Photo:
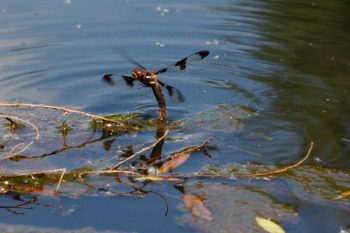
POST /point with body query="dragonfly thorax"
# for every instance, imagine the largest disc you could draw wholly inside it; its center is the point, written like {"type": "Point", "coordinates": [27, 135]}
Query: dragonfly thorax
{"type": "Point", "coordinates": [147, 77]}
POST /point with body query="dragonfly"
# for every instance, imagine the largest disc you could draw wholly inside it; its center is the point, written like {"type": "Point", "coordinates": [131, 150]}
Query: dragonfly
{"type": "Point", "coordinates": [150, 79]}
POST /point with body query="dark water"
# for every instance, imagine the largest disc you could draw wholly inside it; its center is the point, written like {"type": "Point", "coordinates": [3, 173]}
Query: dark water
{"type": "Point", "coordinates": [288, 60]}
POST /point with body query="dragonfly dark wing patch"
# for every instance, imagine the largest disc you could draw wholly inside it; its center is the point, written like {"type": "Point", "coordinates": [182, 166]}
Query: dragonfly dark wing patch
{"type": "Point", "coordinates": [182, 64]}
{"type": "Point", "coordinates": [171, 89]}
{"type": "Point", "coordinates": [108, 79]}
{"type": "Point", "coordinates": [128, 80]}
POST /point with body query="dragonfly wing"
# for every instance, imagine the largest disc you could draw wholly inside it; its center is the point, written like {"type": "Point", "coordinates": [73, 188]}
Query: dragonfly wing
{"type": "Point", "coordinates": [107, 78]}
{"type": "Point", "coordinates": [171, 89]}
{"type": "Point", "coordinates": [182, 64]}
{"type": "Point", "coordinates": [128, 80]}
{"type": "Point", "coordinates": [130, 59]}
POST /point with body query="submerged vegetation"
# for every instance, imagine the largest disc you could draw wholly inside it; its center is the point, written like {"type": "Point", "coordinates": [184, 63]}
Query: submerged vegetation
{"type": "Point", "coordinates": [30, 167]}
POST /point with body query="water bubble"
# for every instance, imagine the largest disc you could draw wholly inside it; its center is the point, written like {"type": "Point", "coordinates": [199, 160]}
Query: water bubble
{"type": "Point", "coordinates": [162, 11]}
{"type": "Point", "coordinates": [78, 27]}
{"type": "Point", "coordinates": [67, 2]}
{"type": "Point", "coordinates": [159, 44]}
{"type": "Point", "coordinates": [152, 170]}
{"type": "Point", "coordinates": [212, 42]}
{"type": "Point", "coordinates": [216, 57]}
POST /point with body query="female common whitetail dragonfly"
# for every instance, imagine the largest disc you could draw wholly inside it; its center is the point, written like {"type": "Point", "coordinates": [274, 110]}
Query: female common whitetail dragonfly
{"type": "Point", "coordinates": [150, 79]}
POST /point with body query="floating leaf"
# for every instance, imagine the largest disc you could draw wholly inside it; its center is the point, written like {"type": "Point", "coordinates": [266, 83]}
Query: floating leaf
{"type": "Point", "coordinates": [156, 178]}
{"type": "Point", "coordinates": [268, 225]}
{"type": "Point", "coordinates": [197, 207]}
{"type": "Point", "coordinates": [176, 161]}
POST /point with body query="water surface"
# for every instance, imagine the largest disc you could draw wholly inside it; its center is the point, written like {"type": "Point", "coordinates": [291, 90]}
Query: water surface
{"type": "Point", "coordinates": [287, 61]}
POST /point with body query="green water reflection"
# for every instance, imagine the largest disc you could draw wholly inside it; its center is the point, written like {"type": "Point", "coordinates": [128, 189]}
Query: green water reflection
{"type": "Point", "coordinates": [305, 45]}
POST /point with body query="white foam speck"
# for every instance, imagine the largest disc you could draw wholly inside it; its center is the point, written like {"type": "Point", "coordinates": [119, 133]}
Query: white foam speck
{"type": "Point", "coordinates": [162, 10]}
{"type": "Point", "coordinates": [159, 44]}
{"type": "Point", "coordinates": [212, 42]}
{"type": "Point", "coordinates": [152, 170]}
{"type": "Point", "coordinates": [318, 160]}
{"type": "Point", "coordinates": [78, 26]}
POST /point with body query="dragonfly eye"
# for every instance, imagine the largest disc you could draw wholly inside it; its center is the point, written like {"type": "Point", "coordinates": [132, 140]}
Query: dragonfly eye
{"type": "Point", "coordinates": [136, 72]}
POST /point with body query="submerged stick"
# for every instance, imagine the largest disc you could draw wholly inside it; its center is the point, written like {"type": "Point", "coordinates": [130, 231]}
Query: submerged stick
{"type": "Point", "coordinates": [139, 152]}
{"type": "Point", "coordinates": [32, 173]}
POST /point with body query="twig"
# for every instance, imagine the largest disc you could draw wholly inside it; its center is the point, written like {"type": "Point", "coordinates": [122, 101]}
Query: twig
{"type": "Point", "coordinates": [64, 148]}
{"type": "Point", "coordinates": [341, 196]}
{"type": "Point", "coordinates": [282, 169]}
{"type": "Point", "coordinates": [139, 152]}
{"type": "Point", "coordinates": [60, 180]}
{"type": "Point", "coordinates": [247, 151]}
{"type": "Point", "coordinates": [20, 151]}
{"type": "Point", "coordinates": [112, 172]}
{"type": "Point", "coordinates": [64, 109]}
{"type": "Point", "coordinates": [195, 148]}
{"type": "Point", "coordinates": [187, 150]}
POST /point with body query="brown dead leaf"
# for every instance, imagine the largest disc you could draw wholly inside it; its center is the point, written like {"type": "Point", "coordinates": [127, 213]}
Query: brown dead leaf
{"type": "Point", "coordinates": [29, 189]}
{"type": "Point", "coordinates": [197, 207]}
{"type": "Point", "coordinates": [176, 161]}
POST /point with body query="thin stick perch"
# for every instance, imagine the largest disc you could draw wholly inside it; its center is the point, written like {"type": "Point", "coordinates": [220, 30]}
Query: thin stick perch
{"type": "Point", "coordinates": [139, 152]}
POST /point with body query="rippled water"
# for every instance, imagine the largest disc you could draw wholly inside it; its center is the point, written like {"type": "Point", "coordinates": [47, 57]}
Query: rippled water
{"type": "Point", "coordinates": [290, 61]}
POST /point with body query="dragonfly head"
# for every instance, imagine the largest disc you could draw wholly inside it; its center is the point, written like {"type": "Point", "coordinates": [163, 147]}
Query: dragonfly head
{"type": "Point", "coordinates": [137, 73]}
